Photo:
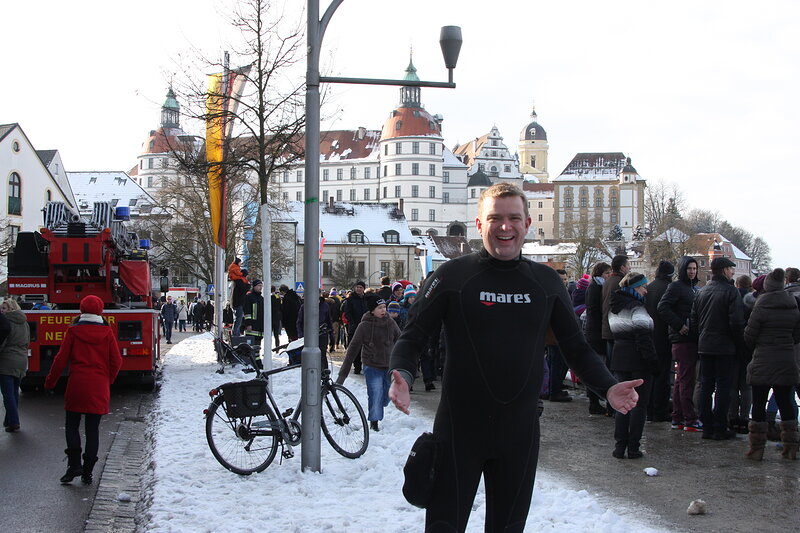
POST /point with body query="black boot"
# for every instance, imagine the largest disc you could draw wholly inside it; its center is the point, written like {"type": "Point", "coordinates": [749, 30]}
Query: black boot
{"type": "Point", "coordinates": [88, 466]}
{"type": "Point", "coordinates": [74, 468]}
{"type": "Point", "coordinates": [373, 425]}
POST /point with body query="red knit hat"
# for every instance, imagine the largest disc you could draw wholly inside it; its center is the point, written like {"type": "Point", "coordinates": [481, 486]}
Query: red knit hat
{"type": "Point", "coordinates": [92, 305]}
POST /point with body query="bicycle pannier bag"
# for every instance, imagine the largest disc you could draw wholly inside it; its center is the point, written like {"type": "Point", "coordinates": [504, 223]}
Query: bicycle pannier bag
{"type": "Point", "coordinates": [245, 398]}
{"type": "Point", "coordinates": [420, 470]}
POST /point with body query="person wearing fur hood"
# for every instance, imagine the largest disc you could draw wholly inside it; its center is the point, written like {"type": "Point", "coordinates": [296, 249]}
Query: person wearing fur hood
{"type": "Point", "coordinates": [773, 333]}
{"type": "Point", "coordinates": [374, 339]}
{"type": "Point", "coordinates": [91, 351]}
{"type": "Point", "coordinates": [634, 358]}
{"type": "Point", "coordinates": [13, 359]}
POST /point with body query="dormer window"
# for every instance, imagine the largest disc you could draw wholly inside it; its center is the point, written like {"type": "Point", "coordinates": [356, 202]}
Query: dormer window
{"type": "Point", "coordinates": [356, 236]}
{"type": "Point", "coordinates": [391, 237]}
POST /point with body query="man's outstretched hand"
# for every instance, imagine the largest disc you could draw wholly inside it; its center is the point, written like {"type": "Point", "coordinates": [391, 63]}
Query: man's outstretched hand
{"type": "Point", "coordinates": [623, 396]}
{"type": "Point", "coordinates": [398, 392]}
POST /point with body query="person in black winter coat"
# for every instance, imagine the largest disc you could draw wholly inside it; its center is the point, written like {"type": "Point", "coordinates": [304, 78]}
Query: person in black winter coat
{"type": "Point", "coordinates": [593, 327]}
{"type": "Point", "coordinates": [290, 307]}
{"type": "Point", "coordinates": [658, 410]}
{"type": "Point", "coordinates": [773, 332]}
{"type": "Point", "coordinates": [718, 318]}
{"type": "Point", "coordinates": [675, 308]}
{"type": "Point", "coordinates": [277, 317]}
{"type": "Point", "coordinates": [634, 358]}
{"type": "Point", "coordinates": [199, 313]}
{"type": "Point", "coordinates": [354, 309]}
{"type": "Point", "coordinates": [240, 288]}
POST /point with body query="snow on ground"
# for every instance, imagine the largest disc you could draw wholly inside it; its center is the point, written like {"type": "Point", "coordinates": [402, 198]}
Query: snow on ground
{"type": "Point", "coordinates": [192, 492]}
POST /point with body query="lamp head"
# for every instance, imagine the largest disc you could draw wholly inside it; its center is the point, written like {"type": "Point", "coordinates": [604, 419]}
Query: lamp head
{"type": "Point", "coordinates": [450, 41]}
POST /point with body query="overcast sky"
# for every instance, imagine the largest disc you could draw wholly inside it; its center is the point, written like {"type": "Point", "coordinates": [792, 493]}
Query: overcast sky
{"type": "Point", "coordinates": [703, 94]}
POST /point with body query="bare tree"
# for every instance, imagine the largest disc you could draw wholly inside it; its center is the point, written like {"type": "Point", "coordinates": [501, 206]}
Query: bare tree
{"type": "Point", "coordinates": [589, 248]}
{"type": "Point", "coordinates": [759, 252]}
{"type": "Point", "coordinates": [266, 118]}
{"type": "Point", "coordinates": [664, 203]}
{"type": "Point", "coordinates": [343, 271]}
{"type": "Point", "coordinates": [179, 224]}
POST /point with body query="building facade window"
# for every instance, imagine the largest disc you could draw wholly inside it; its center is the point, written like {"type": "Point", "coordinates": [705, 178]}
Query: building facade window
{"type": "Point", "coordinates": [481, 166]}
{"type": "Point", "coordinates": [385, 149]}
{"type": "Point", "coordinates": [299, 196]}
{"type": "Point", "coordinates": [14, 194]}
{"type": "Point", "coordinates": [415, 214]}
{"type": "Point", "coordinates": [367, 172]}
{"type": "Point", "coordinates": [446, 177]}
{"type": "Point", "coordinates": [324, 195]}
{"type": "Point", "coordinates": [398, 148]}
{"type": "Point", "coordinates": [415, 147]}
{"type": "Point", "coordinates": [355, 236]}
{"type": "Point", "coordinates": [326, 174]}
{"type": "Point", "coordinates": [432, 148]}
{"type": "Point", "coordinates": [361, 269]}
{"type": "Point", "coordinates": [397, 191]}
{"type": "Point", "coordinates": [352, 195]}
{"type": "Point", "coordinates": [285, 196]}
{"type": "Point", "coordinates": [352, 173]}
{"type": "Point", "coordinates": [541, 217]}
{"type": "Point", "coordinates": [285, 176]}
{"type": "Point", "coordinates": [431, 169]}
{"type": "Point", "coordinates": [327, 268]}
{"type": "Point", "coordinates": [398, 169]}
{"type": "Point", "coordinates": [339, 174]}
{"type": "Point", "coordinates": [506, 168]}
{"type": "Point", "coordinates": [415, 191]}
{"type": "Point", "coordinates": [432, 192]}
{"type": "Point", "coordinates": [541, 204]}
{"type": "Point", "coordinates": [445, 197]}
{"type": "Point", "coordinates": [472, 193]}
{"type": "Point", "coordinates": [366, 193]}
{"type": "Point", "coordinates": [415, 169]}
{"type": "Point", "coordinates": [385, 171]}
{"type": "Point", "coordinates": [299, 176]}
{"type": "Point", "coordinates": [391, 237]}
{"type": "Point", "coordinates": [338, 195]}
{"type": "Point", "coordinates": [431, 215]}
{"type": "Point", "coordinates": [385, 194]}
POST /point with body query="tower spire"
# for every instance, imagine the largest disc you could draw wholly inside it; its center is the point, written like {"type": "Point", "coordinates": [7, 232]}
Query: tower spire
{"type": "Point", "coordinates": [171, 111]}
{"type": "Point", "coordinates": [410, 96]}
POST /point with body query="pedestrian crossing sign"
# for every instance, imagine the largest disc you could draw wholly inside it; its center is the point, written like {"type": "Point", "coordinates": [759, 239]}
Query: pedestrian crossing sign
{"type": "Point", "coordinates": [299, 288]}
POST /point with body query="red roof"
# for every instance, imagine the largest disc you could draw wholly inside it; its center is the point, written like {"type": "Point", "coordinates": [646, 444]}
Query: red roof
{"type": "Point", "coordinates": [410, 122]}
{"type": "Point", "coordinates": [538, 187]}
{"type": "Point", "coordinates": [161, 141]}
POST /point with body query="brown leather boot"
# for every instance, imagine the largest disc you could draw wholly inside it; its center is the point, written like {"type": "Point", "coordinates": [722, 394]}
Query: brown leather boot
{"type": "Point", "coordinates": [758, 440]}
{"type": "Point", "coordinates": [790, 439]}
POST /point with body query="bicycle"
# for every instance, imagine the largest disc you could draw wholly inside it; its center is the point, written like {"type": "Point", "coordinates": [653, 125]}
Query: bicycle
{"type": "Point", "coordinates": [243, 431]}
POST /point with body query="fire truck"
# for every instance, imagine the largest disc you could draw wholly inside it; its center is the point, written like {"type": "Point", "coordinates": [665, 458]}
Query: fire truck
{"type": "Point", "coordinates": [72, 257]}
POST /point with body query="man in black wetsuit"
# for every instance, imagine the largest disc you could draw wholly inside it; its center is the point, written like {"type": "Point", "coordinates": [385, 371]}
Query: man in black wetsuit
{"type": "Point", "coordinates": [496, 308]}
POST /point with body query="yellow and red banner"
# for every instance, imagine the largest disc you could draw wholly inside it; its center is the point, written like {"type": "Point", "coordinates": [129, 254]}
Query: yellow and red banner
{"type": "Point", "coordinates": [221, 103]}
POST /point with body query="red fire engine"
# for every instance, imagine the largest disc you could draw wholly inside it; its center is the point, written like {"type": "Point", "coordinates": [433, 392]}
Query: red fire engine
{"type": "Point", "coordinates": [72, 257]}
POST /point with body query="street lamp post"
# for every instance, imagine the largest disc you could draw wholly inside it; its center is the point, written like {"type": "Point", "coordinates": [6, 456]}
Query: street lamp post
{"type": "Point", "coordinates": [369, 279]}
{"type": "Point", "coordinates": [450, 42]}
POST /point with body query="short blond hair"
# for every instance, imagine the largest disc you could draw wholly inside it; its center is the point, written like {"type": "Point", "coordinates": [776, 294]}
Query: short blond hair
{"type": "Point", "coordinates": [502, 190]}
{"type": "Point", "coordinates": [10, 305]}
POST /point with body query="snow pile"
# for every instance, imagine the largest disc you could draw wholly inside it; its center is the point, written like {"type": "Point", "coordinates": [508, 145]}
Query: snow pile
{"type": "Point", "coordinates": [193, 492]}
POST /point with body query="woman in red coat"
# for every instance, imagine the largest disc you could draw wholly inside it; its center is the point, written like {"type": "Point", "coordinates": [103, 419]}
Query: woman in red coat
{"type": "Point", "coordinates": [92, 353]}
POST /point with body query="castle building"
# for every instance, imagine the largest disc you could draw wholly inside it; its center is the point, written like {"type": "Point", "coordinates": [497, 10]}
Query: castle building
{"type": "Point", "coordinates": [405, 163]}
{"type": "Point", "coordinates": [595, 193]}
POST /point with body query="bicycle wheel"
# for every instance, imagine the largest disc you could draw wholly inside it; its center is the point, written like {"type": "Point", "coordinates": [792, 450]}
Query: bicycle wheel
{"type": "Point", "coordinates": [242, 445]}
{"type": "Point", "coordinates": [343, 422]}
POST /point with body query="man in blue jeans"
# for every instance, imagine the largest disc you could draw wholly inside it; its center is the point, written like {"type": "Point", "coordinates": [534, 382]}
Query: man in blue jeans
{"type": "Point", "coordinates": [718, 319]}
{"type": "Point", "coordinates": [169, 314]}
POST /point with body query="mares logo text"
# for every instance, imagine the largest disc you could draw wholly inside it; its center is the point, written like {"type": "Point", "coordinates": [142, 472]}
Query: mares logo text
{"type": "Point", "coordinates": [491, 298]}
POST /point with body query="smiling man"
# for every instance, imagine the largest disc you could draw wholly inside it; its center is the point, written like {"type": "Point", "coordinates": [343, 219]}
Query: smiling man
{"type": "Point", "coordinates": [495, 307]}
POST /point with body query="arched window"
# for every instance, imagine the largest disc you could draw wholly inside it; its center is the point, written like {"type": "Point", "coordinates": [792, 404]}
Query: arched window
{"type": "Point", "coordinates": [613, 200]}
{"type": "Point", "coordinates": [356, 236]}
{"type": "Point", "coordinates": [598, 197]}
{"type": "Point", "coordinates": [456, 229]}
{"type": "Point", "coordinates": [584, 197]}
{"type": "Point", "coordinates": [14, 194]}
{"type": "Point", "coordinates": [415, 232]}
{"type": "Point", "coordinates": [432, 232]}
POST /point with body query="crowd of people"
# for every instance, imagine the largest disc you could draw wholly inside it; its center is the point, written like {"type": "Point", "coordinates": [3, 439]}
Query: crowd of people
{"type": "Point", "coordinates": [727, 345]}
